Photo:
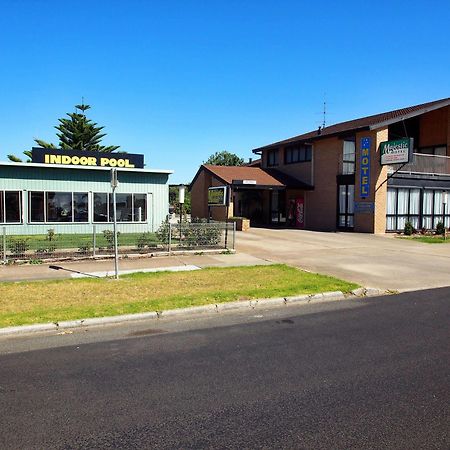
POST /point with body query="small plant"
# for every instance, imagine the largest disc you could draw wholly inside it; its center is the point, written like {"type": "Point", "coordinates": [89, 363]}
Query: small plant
{"type": "Point", "coordinates": [109, 236]}
{"type": "Point", "coordinates": [18, 246]}
{"type": "Point", "coordinates": [440, 229]}
{"type": "Point", "coordinates": [85, 247]}
{"type": "Point", "coordinates": [163, 232]}
{"type": "Point", "coordinates": [46, 250]}
{"type": "Point", "coordinates": [144, 240]}
{"type": "Point", "coordinates": [35, 261]}
{"type": "Point", "coordinates": [409, 229]}
{"type": "Point", "coordinates": [51, 235]}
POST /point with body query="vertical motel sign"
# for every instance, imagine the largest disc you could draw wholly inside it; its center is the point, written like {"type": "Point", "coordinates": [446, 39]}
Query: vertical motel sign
{"type": "Point", "coordinates": [365, 167]}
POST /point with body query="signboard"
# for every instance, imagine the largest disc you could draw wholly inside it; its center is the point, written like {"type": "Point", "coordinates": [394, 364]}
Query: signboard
{"type": "Point", "coordinates": [90, 159]}
{"type": "Point", "coordinates": [217, 196]}
{"type": "Point", "coordinates": [364, 187]}
{"type": "Point", "coordinates": [244, 181]}
{"type": "Point", "coordinates": [396, 152]}
{"type": "Point", "coordinates": [364, 207]}
{"type": "Point", "coordinates": [300, 212]}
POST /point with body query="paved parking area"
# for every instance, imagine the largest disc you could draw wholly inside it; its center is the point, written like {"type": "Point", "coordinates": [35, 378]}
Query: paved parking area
{"type": "Point", "coordinates": [380, 261]}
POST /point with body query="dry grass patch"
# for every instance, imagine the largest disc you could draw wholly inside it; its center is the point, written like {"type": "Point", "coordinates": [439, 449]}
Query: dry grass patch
{"type": "Point", "coordinates": [54, 301]}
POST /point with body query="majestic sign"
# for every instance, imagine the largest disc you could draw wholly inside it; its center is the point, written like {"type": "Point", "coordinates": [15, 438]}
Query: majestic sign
{"type": "Point", "coordinates": [217, 196]}
{"type": "Point", "coordinates": [365, 167]}
{"type": "Point", "coordinates": [364, 207]}
{"type": "Point", "coordinates": [80, 158]}
{"type": "Point", "coordinates": [396, 152]}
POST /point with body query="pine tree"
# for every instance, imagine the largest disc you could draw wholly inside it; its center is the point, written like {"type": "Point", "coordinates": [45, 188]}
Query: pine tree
{"type": "Point", "coordinates": [76, 132]}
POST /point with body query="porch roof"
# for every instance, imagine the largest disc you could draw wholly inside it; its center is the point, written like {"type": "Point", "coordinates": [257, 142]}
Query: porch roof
{"type": "Point", "coordinates": [253, 177]}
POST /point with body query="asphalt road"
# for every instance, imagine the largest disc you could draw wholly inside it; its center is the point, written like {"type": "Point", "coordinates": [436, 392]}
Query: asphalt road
{"type": "Point", "coordinates": [370, 373]}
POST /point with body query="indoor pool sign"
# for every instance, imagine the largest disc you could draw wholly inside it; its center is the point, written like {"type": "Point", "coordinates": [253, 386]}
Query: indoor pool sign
{"type": "Point", "coordinates": [364, 187]}
{"type": "Point", "coordinates": [90, 159]}
{"type": "Point", "coordinates": [396, 152]}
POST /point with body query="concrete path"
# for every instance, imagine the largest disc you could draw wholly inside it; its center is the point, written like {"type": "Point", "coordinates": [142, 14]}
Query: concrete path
{"type": "Point", "coordinates": [380, 261]}
{"type": "Point", "coordinates": [42, 271]}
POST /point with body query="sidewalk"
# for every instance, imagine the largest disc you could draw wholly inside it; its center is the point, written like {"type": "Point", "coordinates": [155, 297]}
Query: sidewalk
{"type": "Point", "coordinates": [28, 272]}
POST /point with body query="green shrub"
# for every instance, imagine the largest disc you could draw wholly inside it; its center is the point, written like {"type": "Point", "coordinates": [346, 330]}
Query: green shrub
{"type": "Point", "coordinates": [46, 250]}
{"type": "Point", "coordinates": [440, 229]}
{"type": "Point", "coordinates": [85, 247]}
{"type": "Point", "coordinates": [18, 246]}
{"type": "Point", "coordinates": [409, 229]}
{"type": "Point", "coordinates": [51, 235]}
{"type": "Point", "coordinates": [109, 236]}
{"type": "Point", "coordinates": [163, 232]}
{"type": "Point", "coordinates": [145, 240]}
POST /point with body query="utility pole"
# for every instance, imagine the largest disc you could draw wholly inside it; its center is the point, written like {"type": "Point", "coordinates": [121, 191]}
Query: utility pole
{"type": "Point", "coordinates": [114, 184]}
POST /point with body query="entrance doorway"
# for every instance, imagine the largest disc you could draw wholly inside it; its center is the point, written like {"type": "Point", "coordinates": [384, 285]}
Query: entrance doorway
{"type": "Point", "coordinates": [346, 212]}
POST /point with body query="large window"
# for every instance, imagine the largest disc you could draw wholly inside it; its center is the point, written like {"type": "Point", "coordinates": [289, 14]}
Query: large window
{"type": "Point", "coordinates": [422, 207]}
{"type": "Point", "coordinates": [129, 207]}
{"type": "Point", "coordinates": [58, 207]}
{"type": "Point", "coordinates": [272, 158]}
{"type": "Point", "coordinates": [348, 158]}
{"type": "Point", "coordinates": [297, 153]}
{"type": "Point", "coordinates": [10, 207]}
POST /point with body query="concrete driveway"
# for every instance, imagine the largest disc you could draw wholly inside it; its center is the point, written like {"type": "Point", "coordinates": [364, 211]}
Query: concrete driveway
{"type": "Point", "coordinates": [380, 261]}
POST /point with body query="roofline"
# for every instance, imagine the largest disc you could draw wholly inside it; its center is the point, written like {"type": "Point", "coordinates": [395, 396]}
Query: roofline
{"type": "Point", "coordinates": [68, 166]}
{"type": "Point", "coordinates": [440, 104]}
{"type": "Point", "coordinates": [410, 115]}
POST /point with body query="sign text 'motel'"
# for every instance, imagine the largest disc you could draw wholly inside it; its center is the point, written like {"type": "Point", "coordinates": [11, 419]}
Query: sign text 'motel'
{"type": "Point", "coordinates": [365, 167]}
{"type": "Point", "coordinates": [82, 158]}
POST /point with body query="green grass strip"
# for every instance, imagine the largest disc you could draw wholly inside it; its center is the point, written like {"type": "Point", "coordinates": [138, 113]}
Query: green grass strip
{"type": "Point", "coordinates": [55, 301]}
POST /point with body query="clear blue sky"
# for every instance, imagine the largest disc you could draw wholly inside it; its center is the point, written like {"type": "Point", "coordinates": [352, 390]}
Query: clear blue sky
{"type": "Point", "coordinates": [179, 80]}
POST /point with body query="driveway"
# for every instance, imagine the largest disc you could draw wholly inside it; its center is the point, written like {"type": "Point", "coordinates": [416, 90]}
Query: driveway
{"type": "Point", "coordinates": [380, 261]}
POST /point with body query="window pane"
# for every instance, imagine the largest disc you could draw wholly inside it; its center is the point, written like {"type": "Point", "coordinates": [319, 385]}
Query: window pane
{"type": "Point", "coordinates": [438, 203]}
{"type": "Point", "coordinates": [391, 207]}
{"type": "Point", "coordinates": [100, 207]}
{"type": "Point", "coordinates": [13, 207]}
{"type": "Point", "coordinates": [350, 221]}
{"type": "Point", "coordinates": [36, 207]}
{"type": "Point", "coordinates": [140, 207]}
{"type": "Point", "coordinates": [288, 153]}
{"type": "Point", "coordinates": [390, 224]}
{"type": "Point", "coordinates": [80, 207]}
{"type": "Point", "coordinates": [403, 201]}
{"type": "Point", "coordinates": [350, 199]}
{"type": "Point", "coordinates": [342, 221]}
{"type": "Point", "coordinates": [124, 208]}
{"type": "Point", "coordinates": [349, 151]}
{"type": "Point", "coordinates": [414, 201]}
{"type": "Point", "coordinates": [2, 217]}
{"type": "Point", "coordinates": [440, 151]}
{"type": "Point", "coordinates": [401, 222]}
{"type": "Point", "coordinates": [301, 155]}
{"type": "Point", "coordinates": [427, 223]}
{"type": "Point", "coordinates": [414, 221]}
{"type": "Point", "coordinates": [59, 207]}
{"type": "Point", "coordinates": [427, 202]}
{"type": "Point", "coordinates": [342, 196]}
{"type": "Point", "coordinates": [308, 154]}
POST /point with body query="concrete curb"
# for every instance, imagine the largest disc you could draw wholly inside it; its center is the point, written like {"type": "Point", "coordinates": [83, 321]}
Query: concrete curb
{"type": "Point", "coordinates": [219, 307]}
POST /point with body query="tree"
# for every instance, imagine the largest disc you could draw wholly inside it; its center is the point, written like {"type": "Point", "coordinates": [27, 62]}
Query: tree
{"type": "Point", "coordinates": [225, 158]}
{"type": "Point", "coordinates": [76, 132]}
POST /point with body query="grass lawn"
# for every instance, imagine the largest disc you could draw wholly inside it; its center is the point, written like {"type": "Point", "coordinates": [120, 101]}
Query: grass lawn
{"type": "Point", "coordinates": [53, 301]}
{"type": "Point", "coordinates": [428, 239]}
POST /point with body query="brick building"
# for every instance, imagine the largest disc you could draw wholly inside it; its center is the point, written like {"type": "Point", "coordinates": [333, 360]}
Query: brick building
{"type": "Point", "coordinates": [333, 178]}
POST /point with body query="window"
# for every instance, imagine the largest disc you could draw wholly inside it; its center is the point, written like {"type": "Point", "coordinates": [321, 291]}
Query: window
{"type": "Point", "coordinates": [272, 158]}
{"type": "Point", "coordinates": [58, 207]}
{"type": "Point", "coordinates": [404, 204]}
{"type": "Point", "coordinates": [348, 158]}
{"type": "Point", "coordinates": [346, 206]}
{"type": "Point", "coordinates": [297, 153]}
{"type": "Point", "coordinates": [440, 150]}
{"type": "Point", "coordinates": [10, 207]}
{"type": "Point", "coordinates": [129, 207]}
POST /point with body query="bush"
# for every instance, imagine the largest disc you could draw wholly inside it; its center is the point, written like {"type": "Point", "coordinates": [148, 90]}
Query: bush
{"type": "Point", "coordinates": [409, 229]}
{"type": "Point", "coordinates": [18, 246]}
{"type": "Point", "coordinates": [109, 236]}
{"type": "Point", "coordinates": [46, 250]}
{"type": "Point", "coordinates": [440, 229]}
{"type": "Point", "coordinates": [145, 240]}
{"type": "Point", "coordinates": [163, 232]}
{"type": "Point", "coordinates": [51, 235]}
{"type": "Point", "coordinates": [202, 236]}
{"type": "Point", "coordinates": [85, 247]}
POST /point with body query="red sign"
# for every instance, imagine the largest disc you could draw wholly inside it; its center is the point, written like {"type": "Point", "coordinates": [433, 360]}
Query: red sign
{"type": "Point", "coordinates": [299, 213]}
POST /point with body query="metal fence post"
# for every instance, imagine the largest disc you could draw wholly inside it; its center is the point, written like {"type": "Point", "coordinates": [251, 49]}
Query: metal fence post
{"type": "Point", "coordinates": [4, 244]}
{"type": "Point", "coordinates": [234, 234]}
{"type": "Point", "coordinates": [170, 238]}
{"type": "Point", "coordinates": [94, 240]}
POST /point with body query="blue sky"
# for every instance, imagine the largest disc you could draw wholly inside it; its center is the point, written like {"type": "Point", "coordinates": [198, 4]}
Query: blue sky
{"type": "Point", "coordinates": [179, 80]}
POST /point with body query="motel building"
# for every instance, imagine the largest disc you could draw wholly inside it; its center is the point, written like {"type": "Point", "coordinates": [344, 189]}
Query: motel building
{"type": "Point", "coordinates": [71, 191]}
{"type": "Point", "coordinates": [371, 174]}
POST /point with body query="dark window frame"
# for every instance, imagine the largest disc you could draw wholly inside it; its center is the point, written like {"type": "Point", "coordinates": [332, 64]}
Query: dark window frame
{"type": "Point", "coordinates": [109, 206]}
{"type": "Point", "coordinates": [273, 157]}
{"type": "Point", "coordinates": [294, 154]}
{"type": "Point", "coordinates": [4, 210]}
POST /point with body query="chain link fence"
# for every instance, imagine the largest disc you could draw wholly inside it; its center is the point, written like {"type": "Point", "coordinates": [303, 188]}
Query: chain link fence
{"type": "Point", "coordinates": [170, 237]}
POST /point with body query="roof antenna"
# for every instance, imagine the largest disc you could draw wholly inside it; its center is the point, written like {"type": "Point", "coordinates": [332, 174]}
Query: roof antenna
{"type": "Point", "coordinates": [324, 113]}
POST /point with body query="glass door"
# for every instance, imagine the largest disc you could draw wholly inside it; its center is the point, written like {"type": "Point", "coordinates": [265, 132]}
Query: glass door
{"type": "Point", "coordinates": [346, 206]}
